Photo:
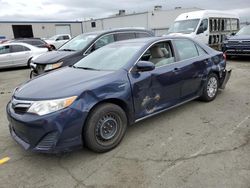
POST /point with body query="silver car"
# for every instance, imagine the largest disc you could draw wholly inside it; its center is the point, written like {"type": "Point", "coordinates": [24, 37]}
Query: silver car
{"type": "Point", "coordinates": [18, 54]}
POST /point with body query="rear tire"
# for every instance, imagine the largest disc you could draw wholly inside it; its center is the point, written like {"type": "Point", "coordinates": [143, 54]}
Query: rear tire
{"type": "Point", "coordinates": [211, 88]}
{"type": "Point", "coordinates": [105, 127]}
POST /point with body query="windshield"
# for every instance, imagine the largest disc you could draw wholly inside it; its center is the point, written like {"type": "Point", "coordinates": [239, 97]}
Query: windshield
{"type": "Point", "coordinates": [78, 43]}
{"type": "Point", "coordinates": [184, 26]}
{"type": "Point", "coordinates": [244, 31]}
{"type": "Point", "coordinates": [111, 57]}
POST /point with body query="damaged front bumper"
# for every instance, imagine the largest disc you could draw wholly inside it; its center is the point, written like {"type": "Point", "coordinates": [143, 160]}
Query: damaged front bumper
{"type": "Point", "coordinates": [226, 74]}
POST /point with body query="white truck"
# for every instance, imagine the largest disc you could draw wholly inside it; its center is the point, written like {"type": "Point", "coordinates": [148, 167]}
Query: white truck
{"type": "Point", "coordinates": [208, 26]}
{"type": "Point", "coordinates": [58, 40]}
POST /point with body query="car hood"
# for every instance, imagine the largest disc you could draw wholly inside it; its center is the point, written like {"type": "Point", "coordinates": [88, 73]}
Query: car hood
{"type": "Point", "coordinates": [239, 37]}
{"type": "Point", "coordinates": [61, 83]}
{"type": "Point", "coordinates": [52, 57]}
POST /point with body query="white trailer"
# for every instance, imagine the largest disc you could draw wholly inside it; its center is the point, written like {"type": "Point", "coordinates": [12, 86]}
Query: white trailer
{"type": "Point", "coordinates": [207, 26]}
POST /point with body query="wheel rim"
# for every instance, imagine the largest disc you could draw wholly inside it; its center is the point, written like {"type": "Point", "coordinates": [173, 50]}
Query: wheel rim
{"type": "Point", "coordinates": [107, 127]}
{"type": "Point", "coordinates": [212, 87]}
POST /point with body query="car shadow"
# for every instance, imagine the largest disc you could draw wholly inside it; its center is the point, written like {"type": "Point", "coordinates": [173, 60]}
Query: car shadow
{"type": "Point", "coordinates": [244, 59]}
{"type": "Point", "coordinates": [13, 69]}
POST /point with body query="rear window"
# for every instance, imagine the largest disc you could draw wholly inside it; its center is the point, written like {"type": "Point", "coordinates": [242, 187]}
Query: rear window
{"type": "Point", "coordinates": [37, 42]}
{"type": "Point", "coordinates": [124, 36]}
{"type": "Point", "coordinates": [142, 35]}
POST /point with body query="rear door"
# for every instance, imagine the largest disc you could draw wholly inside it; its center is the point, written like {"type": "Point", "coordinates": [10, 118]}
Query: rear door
{"type": "Point", "coordinates": [20, 54]}
{"type": "Point", "coordinates": [5, 56]}
{"type": "Point", "coordinates": [193, 60]}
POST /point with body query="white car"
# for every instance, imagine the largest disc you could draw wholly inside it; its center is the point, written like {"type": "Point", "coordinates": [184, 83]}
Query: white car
{"type": "Point", "coordinates": [18, 54]}
{"type": "Point", "coordinates": [58, 40]}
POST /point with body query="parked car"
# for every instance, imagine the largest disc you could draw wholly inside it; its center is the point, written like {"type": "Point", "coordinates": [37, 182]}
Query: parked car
{"type": "Point", "coordinates": [3, 39]}
{"type": "Point", "coordinates": [93, 101]}
{"type": "Point", "coordinates": [18, 54]}
{"type": "Point", "coordinates": [239, 44]}
{"type": "Point", "coordinates": [58, 40]}
{"type": "Point", "coordinates": [33, 41]}
{"type": "Point", "coordinates": [81, 46]}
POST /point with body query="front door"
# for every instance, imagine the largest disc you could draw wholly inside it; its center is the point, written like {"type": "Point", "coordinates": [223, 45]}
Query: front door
{"type": "Point", "coordinates": [20, 54]}
{"type": "Point", "coordinates": [160, 88]}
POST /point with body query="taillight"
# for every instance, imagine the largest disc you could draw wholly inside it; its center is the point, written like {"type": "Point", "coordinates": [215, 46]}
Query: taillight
{"type": "Point", "coordinates": [225, 56]}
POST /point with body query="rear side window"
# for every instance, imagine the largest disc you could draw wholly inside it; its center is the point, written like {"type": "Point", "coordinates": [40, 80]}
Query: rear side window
{"type": "Point", "coordinates": [186, 49]}
{"type": "Point", "coordinates": [4, 49]}
{"type": "Point", "coordinates": [37, 42]}
{"type": "Point", "coordinates": [200, 50]}
{"type": "Point", "coordinates": [65, 37]}
{"type": "Point", "coordinates": [142, 35]}
{"type": "Point", "coordinates": [18, 48]}
{"type": "Point", "coordinates": [124, 36]}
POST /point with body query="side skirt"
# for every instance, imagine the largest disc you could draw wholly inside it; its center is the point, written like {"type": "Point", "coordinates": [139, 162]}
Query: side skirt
{"type": "Point", "coordinates": [158, 112]}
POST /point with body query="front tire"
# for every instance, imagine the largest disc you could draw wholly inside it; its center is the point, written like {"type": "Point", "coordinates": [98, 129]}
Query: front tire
{"type": "Point", "coordinates": [105, 127]}
{"type": "Point", "coordinates": [211, 87]}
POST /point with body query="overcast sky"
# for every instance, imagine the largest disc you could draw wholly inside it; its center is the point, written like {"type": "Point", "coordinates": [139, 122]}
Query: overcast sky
{"type": "Point", "coordinates": [29, 10]}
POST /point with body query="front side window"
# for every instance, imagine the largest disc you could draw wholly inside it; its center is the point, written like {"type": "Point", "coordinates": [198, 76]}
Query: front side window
{"type": "Point", "coordinates": [111, 57]}
{"type": "Point", "coordinates": [4, 49]}
{"type": "Point", "coordinates": [203, 26]}
{"type": "Point", "coordinates": [186, 49]}
{"type": "Point", "coordinates": [159, 54]}
{"type": "Point", "coordinates": [184, 26]}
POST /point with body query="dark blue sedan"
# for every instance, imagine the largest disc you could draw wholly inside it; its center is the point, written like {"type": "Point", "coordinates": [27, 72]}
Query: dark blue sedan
{"type": "Point", "coordinates": [92, 102]}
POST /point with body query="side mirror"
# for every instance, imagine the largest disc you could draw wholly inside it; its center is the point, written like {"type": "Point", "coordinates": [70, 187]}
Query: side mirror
{"type": "Point", "coordinates": [232, 34]}
{"type": "Point", "coordinates": [200, 30]}
{"type": "Point", "coordinates": [143, 66]}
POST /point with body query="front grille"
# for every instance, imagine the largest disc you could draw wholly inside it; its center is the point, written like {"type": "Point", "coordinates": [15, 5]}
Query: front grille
{"type": "Point", "coordinates": [239, 42]}
{"type": "Point", "coordinates": [20, 106]}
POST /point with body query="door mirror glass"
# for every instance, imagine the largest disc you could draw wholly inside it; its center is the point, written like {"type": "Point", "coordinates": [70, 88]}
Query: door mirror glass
{"type": "Point", "coordinates": [143, 66]}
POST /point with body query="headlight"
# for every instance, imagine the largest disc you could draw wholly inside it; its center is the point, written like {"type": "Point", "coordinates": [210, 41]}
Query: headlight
{"type": "Point", "coordinates": [49, 106]}
{"type": "Point", "coordinates": [53, 66]}
{"type": "Point", "coordinates": [225, 41]}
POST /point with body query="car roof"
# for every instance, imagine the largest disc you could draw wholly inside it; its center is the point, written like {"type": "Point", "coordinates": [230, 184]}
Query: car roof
{"type": "Point", "coordinates": [150, 40]}
{"type": "Point", "coordinates": [119, 30]}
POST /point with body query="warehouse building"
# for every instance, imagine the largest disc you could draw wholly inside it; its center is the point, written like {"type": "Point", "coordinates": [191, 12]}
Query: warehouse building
{"type": "Point", "coordinates": [158, 20]}
{"type": "Point", "coordinates": [39, 29]}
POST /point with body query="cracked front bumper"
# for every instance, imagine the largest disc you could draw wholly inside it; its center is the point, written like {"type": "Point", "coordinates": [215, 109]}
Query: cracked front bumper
{"type": "Point", "coordinates": [52, 133]}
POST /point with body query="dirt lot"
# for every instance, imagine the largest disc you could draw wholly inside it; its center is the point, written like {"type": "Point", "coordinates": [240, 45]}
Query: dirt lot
{"type": "Point", "coordinates": [195, 145]}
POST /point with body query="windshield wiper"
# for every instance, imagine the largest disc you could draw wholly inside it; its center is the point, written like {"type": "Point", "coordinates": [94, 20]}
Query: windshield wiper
{"type": "Point", "coordinates": [85, 68]}
{"type": "Point", "coordinates": [70, 50]}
